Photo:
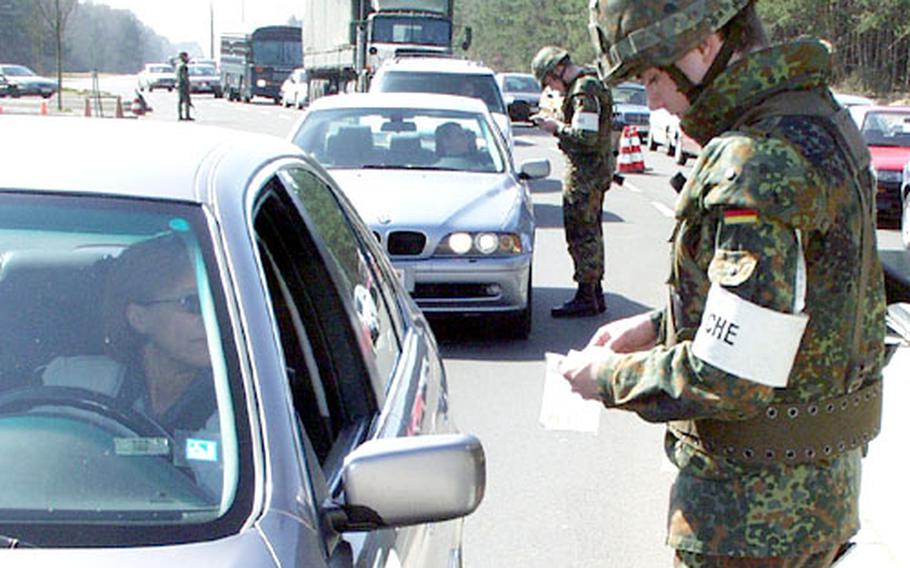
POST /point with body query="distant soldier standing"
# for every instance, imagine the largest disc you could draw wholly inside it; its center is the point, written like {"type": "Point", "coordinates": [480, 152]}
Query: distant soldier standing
{"type": "Point", "coordinates": [766, 363]}
{"type": "Point", "coordinates": [183, 87]}
{"type": "Point", "coordinates": [584, 137]}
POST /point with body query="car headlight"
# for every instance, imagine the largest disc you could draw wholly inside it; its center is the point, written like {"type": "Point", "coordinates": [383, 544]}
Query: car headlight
{"type": "Point", "coordinates": [888, 176]}
{"type": "Point", "coordinates": [261, 83]}
{"type": "Point", "coordinates": [480, 244]}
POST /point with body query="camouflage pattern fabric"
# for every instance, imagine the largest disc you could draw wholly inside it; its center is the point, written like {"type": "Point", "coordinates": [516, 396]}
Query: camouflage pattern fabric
{"type": "Point", "coordinates": [809, 560]}
{"type": "Point", "coordinates": [589, 173]}
{"type": "Point", "coordinates": [183, 81]}
{"type": "Point", "coordinates": [792, 170]}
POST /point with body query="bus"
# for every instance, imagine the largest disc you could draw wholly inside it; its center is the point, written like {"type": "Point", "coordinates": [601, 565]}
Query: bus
{"type": "Point", "coordinates": [256, 64]}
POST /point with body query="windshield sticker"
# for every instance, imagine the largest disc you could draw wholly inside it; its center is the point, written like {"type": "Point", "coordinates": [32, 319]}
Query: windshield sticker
{"type": "Point", "coordinates": [179, 224]}
{"type": "Point", "coordinates": [141, 446]}
{"type": "Point", "coordinates": [198, 449]}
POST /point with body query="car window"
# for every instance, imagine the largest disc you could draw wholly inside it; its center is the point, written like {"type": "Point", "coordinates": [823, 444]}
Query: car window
{"type": "Point", "coordinates": [887, 129]}
{"type": "Point", "coordinates": [402, 138]}
{"type": "Point", "coordinates": [324, 345]}
{"type": "Point", "coordinates": [520, 84]}
{"type": "Point", "coordinates": [363, 279]}
{"type": "Point", "coordinates": [119, 385]}
{"type": "Point", "coordinates": [630, 95]}
{"type": "Point", "coordinates": [479, 86]}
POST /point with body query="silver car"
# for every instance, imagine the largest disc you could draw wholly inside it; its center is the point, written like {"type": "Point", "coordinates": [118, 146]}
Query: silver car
{"type": "Point", "coordinates": [207, 361]}
{"type": "Point", "coordinates": [435, 182]}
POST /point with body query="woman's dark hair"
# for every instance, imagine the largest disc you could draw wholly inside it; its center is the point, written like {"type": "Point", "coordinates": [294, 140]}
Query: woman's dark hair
{"type": "Point", "coordinates": [137, 276]}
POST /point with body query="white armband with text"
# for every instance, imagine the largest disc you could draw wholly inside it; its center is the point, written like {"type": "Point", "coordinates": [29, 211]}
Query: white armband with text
{"type": "Point", "coordinates": [748, 340]}
{"type": "Point", "coordinates": [589, 121]}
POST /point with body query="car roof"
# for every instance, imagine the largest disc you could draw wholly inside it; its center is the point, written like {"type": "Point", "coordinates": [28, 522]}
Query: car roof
{"type": "Point", "coordinates": [400, 100]}
{"type": "Point", "coordinates": [882, 108]}
{"type": "Point", "coordinates": [437, 65]}
{"type": "Point", "coordinates": [149, 159]}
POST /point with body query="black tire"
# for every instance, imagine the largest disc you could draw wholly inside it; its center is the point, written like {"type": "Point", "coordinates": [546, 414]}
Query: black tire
{"type": "Point", "coordinates": [652, 145]}
{"type": "Point", "coordinates": [679, 155]}
{"type": "Point", "coordinates": [518, 326]}
{"type": "Point", "coordinates": [671, 147]}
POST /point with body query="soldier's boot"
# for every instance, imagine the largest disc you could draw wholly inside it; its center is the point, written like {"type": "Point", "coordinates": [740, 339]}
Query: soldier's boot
{"type": "Point", "coordinates": [584, 303]}
{"type": "Point", "coordinates": [599, 296]}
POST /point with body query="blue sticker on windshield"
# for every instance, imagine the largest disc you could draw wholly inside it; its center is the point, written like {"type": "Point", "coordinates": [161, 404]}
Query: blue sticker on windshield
{"type": "Point", "coordinates": [178, 224]}
{"type": "Point", "coordinates": [198, 449]}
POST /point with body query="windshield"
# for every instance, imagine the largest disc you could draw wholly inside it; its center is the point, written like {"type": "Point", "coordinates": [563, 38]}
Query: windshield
{"type": "Point", "coordinates": [115, 395]}
{"type": "Point", "coordinates": [277, 53]}
{"type": "Point", "coordinates": [630, 95]}
{"type": "Point", "coordinates": [401, 139]}
{"type": "Point", "coordinates": [202, 70]}
{"type": "Point", "coordinates": [481, 87]}
{"type": "Point", "coordinates": [887, 129]}
{"type": "Point", "coordinates": [422, 31]}
{"type": "Point", "coordinates": [520, 84]}
{"type": "Point", "coordinates": [161, 69]}
{"type": "Point", "coordinates": [17, 71]}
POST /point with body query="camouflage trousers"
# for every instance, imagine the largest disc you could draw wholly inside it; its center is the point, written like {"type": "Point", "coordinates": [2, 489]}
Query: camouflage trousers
{"type": "Point", "coordinates": [822, 559]}
{"type": "Point", "coordinates": [582, 206]}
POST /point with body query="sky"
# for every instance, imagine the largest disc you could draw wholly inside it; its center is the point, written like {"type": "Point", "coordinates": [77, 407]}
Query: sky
{"type": "Point", "coordinates": [188, 20]}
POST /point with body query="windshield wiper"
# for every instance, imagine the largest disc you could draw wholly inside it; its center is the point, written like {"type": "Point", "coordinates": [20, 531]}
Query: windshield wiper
{"type": "Point", "coordinates": [13, 542]}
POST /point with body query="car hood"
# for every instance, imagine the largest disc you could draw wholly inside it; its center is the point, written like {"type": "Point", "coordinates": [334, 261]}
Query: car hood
{"type": "Point", "coordinates": [245, 549]}
{"type": "Point", "coordinates": [405, 198]}
{"type": "Point", "coordinates": [889, 157]}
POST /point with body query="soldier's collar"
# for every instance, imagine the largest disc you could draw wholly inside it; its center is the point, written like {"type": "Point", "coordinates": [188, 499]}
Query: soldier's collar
{"type": "Point", "coordinates": [802, 64]}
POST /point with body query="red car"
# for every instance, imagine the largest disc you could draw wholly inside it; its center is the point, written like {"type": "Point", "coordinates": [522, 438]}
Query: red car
{"type": "Point", "coordinates": [886, 130]}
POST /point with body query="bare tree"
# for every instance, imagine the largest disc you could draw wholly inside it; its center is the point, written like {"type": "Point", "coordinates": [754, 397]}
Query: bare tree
{"type": "Point", "coordinates": [54, 14]}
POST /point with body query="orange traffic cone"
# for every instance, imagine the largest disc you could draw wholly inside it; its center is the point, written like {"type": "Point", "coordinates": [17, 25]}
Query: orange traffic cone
{"type": "Point", "coordinates": [42, 110]}
{"type": "Point", "coordinates": [88, 108]}
{"type": "Point", "coordinates": [630, 157]}
{"type": "Point", "coordinates": [119, 112]}
{"type": "Point", "coordinates": [1, 109]}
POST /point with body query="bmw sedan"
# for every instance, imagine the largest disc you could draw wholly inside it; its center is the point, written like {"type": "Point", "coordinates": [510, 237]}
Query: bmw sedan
{"type": "Point", "coordinates": [435, 182]}
{"type": "Point", "coordinates": [210, 363]}
{"type": "Point", "coordinates": [26, 82]}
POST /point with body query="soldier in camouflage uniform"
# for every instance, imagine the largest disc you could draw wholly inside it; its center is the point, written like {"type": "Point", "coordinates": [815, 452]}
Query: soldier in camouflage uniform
{"type": "Point", "coordinates": [584, 137]}
{"type": "Point", "coordinates": [183, 87]}
{"type": "Point", "coordinates": [766, 363]}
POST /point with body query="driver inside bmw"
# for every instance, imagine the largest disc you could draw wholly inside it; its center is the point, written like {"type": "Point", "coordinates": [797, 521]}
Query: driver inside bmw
{"type": "Point", "coordinates": [158, 359]}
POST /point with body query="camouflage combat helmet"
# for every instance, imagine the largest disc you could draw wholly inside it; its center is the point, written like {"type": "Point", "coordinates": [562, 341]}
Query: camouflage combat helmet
{"type": "Point", "coordinates": [546, 61]}
{"type": "Point", "coordinates": [632, 35]}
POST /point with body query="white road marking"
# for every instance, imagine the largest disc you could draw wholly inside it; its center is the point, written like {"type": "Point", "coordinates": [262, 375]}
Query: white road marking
{"type": "Point", "coordinates": [665, 211]}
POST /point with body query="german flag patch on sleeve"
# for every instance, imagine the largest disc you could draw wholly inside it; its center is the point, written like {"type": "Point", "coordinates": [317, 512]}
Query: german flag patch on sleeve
{"type": "Point", "coordinates": [740, 216]}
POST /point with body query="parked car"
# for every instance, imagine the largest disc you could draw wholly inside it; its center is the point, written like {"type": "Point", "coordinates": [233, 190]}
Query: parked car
{"type": "Point", "coordinates": [445, 76]}
{"type": "Point", "coordinates": [208, 361]}
{"type": "Point", "coordinates": [26, 82]}
{"type": "Point", "coordinates": [886, 130]}
{"type": "Point", "coordinates": [630, 108]}
{"type": "Point", "coordinates": [157, 76]}
{"type": "Point", "coordinates": [436, 184]}
{"type": "Point", "coordinates": [204, 78]}
{"type": "Point", "coordinates": [521, 93]}
{"type": "Point", "coordinates": [664, 131]}
{"type": "Point", "coordinates": [295, 90]}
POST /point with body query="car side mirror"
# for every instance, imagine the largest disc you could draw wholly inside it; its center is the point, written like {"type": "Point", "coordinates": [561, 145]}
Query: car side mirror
{"type": "Point", "coordinates": [519, 111]}
{"type": "Point", "coordinates": [534, 169]}
{"type": "Point", "coordinates": [396, 482]}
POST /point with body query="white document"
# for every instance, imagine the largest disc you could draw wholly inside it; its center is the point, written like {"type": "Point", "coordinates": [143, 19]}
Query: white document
{"type": "Point", "coordinates": [562, 409]}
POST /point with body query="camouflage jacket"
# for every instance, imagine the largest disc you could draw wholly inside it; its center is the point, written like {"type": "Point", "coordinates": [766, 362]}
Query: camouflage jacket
{"type": "Point", "coordinates": [584, 136]}
{"type": "Point", "coordinates": [786, 169]}
{"type": "Point", "coordinates": [183, 76]}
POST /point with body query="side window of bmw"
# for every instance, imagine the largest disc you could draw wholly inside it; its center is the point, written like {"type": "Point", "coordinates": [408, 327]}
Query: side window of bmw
{"type": "Point", "coordinates": [373, 301]}
{"type": "Point", "coordinates": [326, 371]}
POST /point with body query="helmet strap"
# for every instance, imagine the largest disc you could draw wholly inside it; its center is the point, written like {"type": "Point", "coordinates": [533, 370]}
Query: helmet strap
{"type": "Point", "coordinates": [692, 91]}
